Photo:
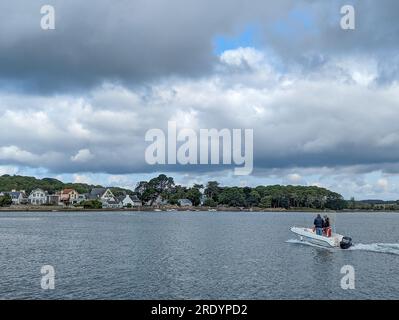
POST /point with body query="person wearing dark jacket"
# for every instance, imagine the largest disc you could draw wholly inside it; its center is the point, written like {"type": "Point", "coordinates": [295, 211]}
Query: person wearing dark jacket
{"type": "Point", "coordinates": [318, 223]}
{"type": "Point", "coordinates": [327, 226]}
{"type": "Point", "coordinates": [326, 222]}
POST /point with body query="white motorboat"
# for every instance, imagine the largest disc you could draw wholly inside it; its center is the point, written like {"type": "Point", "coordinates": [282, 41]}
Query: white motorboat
{"type": "Point", "coordinates": [335, 240]}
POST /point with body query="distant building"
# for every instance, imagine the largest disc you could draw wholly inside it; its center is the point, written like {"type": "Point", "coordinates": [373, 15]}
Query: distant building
{"type": "Point", "coordinates": [100, 194]}
{"type": "Point", "coordinates": [112, 204]}
{"type": "Point", "coordinates": [185, 203]}
{"type": "Point", "coordinates": [83, 197]}
{"type": "Point", "coordinates": [69, 196]}
{"type": "Point", "coordinates": [17, 197]}
{"type": "Point", "coordinates": [53, 199]}
{"type": "Point", "coordinates": [134, 201]}
{"type": "Point", "coordinates": [106, 197]}
{"type": "Point", "coordinates": [38, 197]}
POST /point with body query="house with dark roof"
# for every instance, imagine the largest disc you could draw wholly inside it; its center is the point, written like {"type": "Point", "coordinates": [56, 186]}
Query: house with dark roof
{"type": "Point", "coordinates": [132, 201]}
{"type": "Point", "coordinates": [17, 197]}
{"type": "Point", "coordinates": [106, 197]}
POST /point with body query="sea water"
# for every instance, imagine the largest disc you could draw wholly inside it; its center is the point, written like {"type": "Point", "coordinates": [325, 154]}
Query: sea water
{"type": "Point", "coordinates": [193, 255]}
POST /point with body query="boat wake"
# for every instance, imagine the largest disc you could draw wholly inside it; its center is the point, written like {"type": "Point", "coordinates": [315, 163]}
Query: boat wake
{"type": "Point", "coordinates": [388, 248]}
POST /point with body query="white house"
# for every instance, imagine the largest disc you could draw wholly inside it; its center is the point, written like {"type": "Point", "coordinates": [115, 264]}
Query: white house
{"type": "Point", "coordinates": [38, 197]}
{"type": "Point", "coordinates": [134, 201]}
{"type": "Point", "coordinates": [106, 197]}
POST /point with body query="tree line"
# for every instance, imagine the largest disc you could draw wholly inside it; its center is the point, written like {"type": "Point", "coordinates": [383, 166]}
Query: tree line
{"type": "Point", "coordinates": [213, 194]}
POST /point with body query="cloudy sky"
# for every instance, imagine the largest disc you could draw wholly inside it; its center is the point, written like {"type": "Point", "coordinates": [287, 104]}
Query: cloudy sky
{"type": "Point", "coordinates": [323, 102]}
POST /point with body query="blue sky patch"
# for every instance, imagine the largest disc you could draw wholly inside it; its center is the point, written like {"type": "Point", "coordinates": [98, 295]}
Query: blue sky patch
{"type": "Point", "coordinates": [249, 37]}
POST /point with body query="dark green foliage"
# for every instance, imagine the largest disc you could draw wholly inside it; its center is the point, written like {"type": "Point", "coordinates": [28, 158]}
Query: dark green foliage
{"type": "Point", "coordinates": [91, 204]}
{"type": "Point", "coordinates": [276, 196]}
{"type": "Point", "coordinates": [121, 192]}
{"type": "Point", "coordinates": [210, 203]}
{"type": "Point", "coordinates": [5, 200]}
{"type": "Point", "coordinates": [194, 195]}
{"type": "Point", "coordinates": [212, 190]}
{"type": "Point", "coordinates": [149, 191]}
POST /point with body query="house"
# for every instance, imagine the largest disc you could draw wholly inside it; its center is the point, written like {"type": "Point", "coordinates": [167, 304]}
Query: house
{"type": "Point", "coordinates": [112, 204]}
{"type": "Point", "coordinates": [82, 197]}
{"type": "Point", "coordinates": [17, 197]}
{"type": "Point", "coordinates": [185, 203]}
{"type": "Point", "coordinates": [100, 194]}
{"type": "Point", "coordinates": [106, 197]}
{"type": "Point", "coordinates": [38, 197]}
{"type": "Point", "coordinates": [133, 201]}
{"type": "Point", "coordinates": [53, 199]}
{"type": "Point", "coordinates": [69, 196]}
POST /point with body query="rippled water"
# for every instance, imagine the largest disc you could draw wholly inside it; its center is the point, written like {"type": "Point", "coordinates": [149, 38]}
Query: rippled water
{"type": "Point", "coordinates": [193, 255]}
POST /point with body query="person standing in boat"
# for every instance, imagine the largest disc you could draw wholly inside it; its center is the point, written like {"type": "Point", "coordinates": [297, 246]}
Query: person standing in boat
{"type": "Point", "coordinates": [327, 226]}
{"type": "Point", "coordinates": [318, 224]}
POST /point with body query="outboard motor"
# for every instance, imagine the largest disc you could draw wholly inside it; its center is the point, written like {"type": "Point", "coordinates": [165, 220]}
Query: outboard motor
{"type": "Point", "coordinates": [345, 243]}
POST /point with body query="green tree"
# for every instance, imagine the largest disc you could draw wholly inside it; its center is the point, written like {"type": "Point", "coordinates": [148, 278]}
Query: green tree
{"type": "Point", "coordinates": [266, 202]}
{"type": "Point", "coordinates": [210, 203]}
{"type": "Point", "coordinates": [194, 195]}
{"type": "Point", "coordinates": [92, 204]}
{"type": "Point", "coordinates": [233, 197]}
{"type": "Point", "coordinates": [212, 190]}
{"type": "Point", "coordinates": [151, 190]}
{"type": "Point", "coordinates": [253, 199]}
{"type": "Point", "coordinates": [5, 200]}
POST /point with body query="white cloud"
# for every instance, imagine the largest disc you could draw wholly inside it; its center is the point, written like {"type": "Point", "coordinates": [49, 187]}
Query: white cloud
{"type": "Point", "coordinates": [83, 155]}
{"type": "Point", "coordinates": [242, 56]}
{"type": "Point", "coordinates": [14, 153]}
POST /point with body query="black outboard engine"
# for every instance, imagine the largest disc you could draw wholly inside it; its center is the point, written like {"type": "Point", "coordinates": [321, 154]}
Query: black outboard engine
{"type": "Point", "coordinates": [345, 243]}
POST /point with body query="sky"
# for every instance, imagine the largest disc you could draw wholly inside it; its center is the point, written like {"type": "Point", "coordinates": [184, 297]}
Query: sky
{"type": "Point", "coordinates": [323, 102]}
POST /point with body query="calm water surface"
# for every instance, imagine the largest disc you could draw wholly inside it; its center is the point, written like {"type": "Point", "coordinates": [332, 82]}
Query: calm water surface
{"type": "Point", "coordinates": [193, 255]}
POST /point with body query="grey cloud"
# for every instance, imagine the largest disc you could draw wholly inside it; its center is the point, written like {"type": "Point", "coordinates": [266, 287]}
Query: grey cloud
{"type": "Point", "coordinates": [303, 123]}
{"type": "Point", "coordinates": [118, 41]}
{"type": "Point", "coordinates": [136, 42]}
{"type": "Point", "coordinates": [156, 60]}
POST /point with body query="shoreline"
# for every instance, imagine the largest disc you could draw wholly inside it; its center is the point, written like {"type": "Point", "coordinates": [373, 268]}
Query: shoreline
{"type": "Point", "coordinates": [179, 209]}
